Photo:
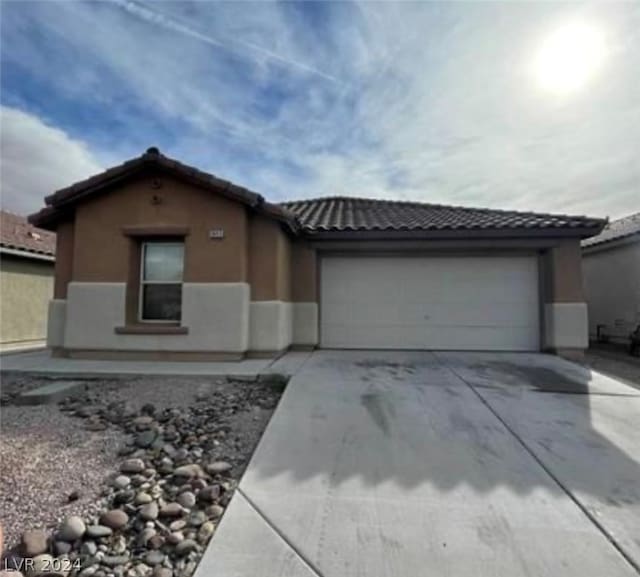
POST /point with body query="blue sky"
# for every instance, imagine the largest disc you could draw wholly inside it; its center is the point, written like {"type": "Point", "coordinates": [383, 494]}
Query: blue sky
{"type": "Point", "coordinates": [434, 101]}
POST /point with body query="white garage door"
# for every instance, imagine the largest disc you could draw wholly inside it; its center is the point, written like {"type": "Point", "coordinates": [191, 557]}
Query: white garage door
{"type": "Point", "coordinates": [459, 303]}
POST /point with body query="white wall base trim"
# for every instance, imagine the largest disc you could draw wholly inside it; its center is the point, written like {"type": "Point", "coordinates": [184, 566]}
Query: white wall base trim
{"type": "Point", "coordinates": [305, 324]}
{"type": "Point", "coordinates": [56, 322]}
{"type": "Point", "coordinates": [566, 326]}
{"type": "Point", "coordinates": [216, 314]}
{"type": "Point", "coordinates": [270, 325]}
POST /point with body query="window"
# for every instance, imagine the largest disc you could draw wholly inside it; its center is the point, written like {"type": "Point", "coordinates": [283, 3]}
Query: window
{"type": "Point", "coordinates": [161, 281]}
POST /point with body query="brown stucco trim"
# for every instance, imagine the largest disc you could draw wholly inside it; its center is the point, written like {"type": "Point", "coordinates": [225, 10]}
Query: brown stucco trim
{"type": "Point", "coordinates": [152, 329]}
{"type": "Point", "coordinates": [155, 231]}
{"type": "Point", "coordinates": [562, 273]}
{"type": "Point", "coordinates": [269, 260]}
{"type": "Point", "coordinates": [64, 259]}
{"type": "Point", "coordinates": [303, 273]}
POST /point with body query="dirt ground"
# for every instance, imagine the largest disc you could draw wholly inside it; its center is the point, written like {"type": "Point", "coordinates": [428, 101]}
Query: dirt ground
{"type": "Point", "coordinates": [47, 454]}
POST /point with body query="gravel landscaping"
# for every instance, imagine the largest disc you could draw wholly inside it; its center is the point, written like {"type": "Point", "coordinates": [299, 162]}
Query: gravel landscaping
{"type": "Point", "coordinates": [130, 478]}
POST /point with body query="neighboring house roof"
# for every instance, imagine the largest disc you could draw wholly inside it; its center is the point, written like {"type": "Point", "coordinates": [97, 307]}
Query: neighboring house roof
{"type": "Point", "coordinates": [20, 237]}
{"type": "Point", "coordinates": [363, 214]}
{"type": "Point", "coordinates": [331, 216]}
{"type": "Point", "coordinates": [59, 202]}
{"type": "Point", "coordinates": [616, 230]}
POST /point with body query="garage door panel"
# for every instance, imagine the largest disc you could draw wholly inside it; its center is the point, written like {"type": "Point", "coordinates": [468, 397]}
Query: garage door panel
{"type": "Point", "coordinates": [467, 303]}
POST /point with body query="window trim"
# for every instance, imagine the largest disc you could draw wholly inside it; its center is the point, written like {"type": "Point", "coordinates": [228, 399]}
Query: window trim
{"type": "Point", "coordinates": [142, 282]}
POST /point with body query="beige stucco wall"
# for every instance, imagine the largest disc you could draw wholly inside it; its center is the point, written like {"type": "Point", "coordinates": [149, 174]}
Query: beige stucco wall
{"type": "Point", "coordinates": [612, 289]}
{"type": "Point", "coordinates": [26, 286]}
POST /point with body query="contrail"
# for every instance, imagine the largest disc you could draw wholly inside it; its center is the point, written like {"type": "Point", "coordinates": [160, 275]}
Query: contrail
{"type": "Point", "coordinates": [171, 23]}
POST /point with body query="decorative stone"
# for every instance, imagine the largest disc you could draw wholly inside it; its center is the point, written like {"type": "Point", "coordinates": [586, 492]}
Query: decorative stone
{"type": "Point", "coordinates": [177, 525]}
{"type": "Point", "coordinates": [121, 482]}
{"type": "Point", "coordinates": [114, 560]}
{"type": "Point", "coordinates": [142, 498]}
{"type": "Point", "coordinates": [156, 542]}
{"type": "Point", "coordinates": [62, 547]}
{"type": "Point", "coordinates": [40, 564]}
{"type": "Point", "coordinates": [149, 512]}
{"type": "Point", "coordinates": [185, 547]}
{"type": "Point", "coordinates": [196, 518]}
{"type": "Point", "coordinates": [154, 558]}
{"type": "Point", "coordinates": [132, 466]}
{"type": "Point", "coordinates": [145, 439]}
{"type": "Point", "coordinates": [145, 535]}
{"type": "Point", "coordinates": [172, 510]}
{"type": "Point", "coordinates": [186, 499]}
{"type": "Point", "coordinates": [209, 494]}
{"type": "Point", "coordinates": [175, 537]}
{"type": "Point", "coordinates": [89, 548]}
{"type": "Point", "coordinates": [190, 471]}
{"type": "Point", "coordinates": [218, 467]}
{"type": "Point", "coordinates": [71, 529]}
{"type": "Point", "coordinates": [214, 511]}
{"type": "Point", "coordinates": [205, 532]}
{"type": "Point", "coordinates": [115, 519]}
{"type": "Point", "coordinates": [34, 543]}
{"type": "Point", "coordinates": [98, 531]}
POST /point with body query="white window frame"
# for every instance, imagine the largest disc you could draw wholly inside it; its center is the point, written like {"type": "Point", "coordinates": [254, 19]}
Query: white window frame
{"type": "Point", "coordinates": [143, 282]}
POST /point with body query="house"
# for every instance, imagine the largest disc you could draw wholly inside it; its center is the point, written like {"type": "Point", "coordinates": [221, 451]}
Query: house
{"type": "Point", "coordinates": [27, 257]}
{"type": "Point", "coordinates": [612, 280]}
{"type": "Point", "coordinates": [158, 260]}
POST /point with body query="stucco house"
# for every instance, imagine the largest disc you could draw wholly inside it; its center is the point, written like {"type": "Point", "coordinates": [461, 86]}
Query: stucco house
{"type": "Point", "coordinates": [27, 256]}
{"type": "Point", "coordinates": [612, 279]}
{"type": "Point", "coordinates": [156, 259]}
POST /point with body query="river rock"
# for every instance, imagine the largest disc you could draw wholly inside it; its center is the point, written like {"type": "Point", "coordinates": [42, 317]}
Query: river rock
{"type": "Point", "coordinates": [98, 531]}
{"type": "Point", "coordinates": [71, 529]}
{"type": "Point", "coordinates": [172, 510]}
{"type": "Point", "coordinates": [149, 512]}
{"type": "Point", "coordinates": [186, 499]}
{"type": "Point", "coordinates": [115, 519]}
{"type": "Point", "coordinates": [218, 467]}
{"type": "Point", "coordinates": [185, 547]}
{"type": "Point", "coordinates": [132, 466]}
{"type": "Point", "coordinates": [34, 543]}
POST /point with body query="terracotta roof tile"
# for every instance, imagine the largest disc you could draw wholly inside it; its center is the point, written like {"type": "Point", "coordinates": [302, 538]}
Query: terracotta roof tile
{"type": "Point", "coordinates": [16, 233]}
{"type": "Point", "coordinates": [365, 214]}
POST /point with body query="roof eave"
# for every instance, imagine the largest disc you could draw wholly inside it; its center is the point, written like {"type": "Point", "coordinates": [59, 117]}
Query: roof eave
{"type": "Point", "coordinates": [576, 232]}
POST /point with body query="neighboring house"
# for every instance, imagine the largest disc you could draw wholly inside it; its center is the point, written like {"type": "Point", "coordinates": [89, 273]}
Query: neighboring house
{"type": "Point", "coordinates": [26, 280]}
{"type": "Point", "coordinates": [612, 279]}
{"type": "Point", "coordinates": [156, 259]}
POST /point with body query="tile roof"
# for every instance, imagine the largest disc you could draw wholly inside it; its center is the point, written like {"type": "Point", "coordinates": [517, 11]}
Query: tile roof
{"type": "Point", "coordinates": [152, 158]}
{"type": "Point", "coordinates": [17, 234]}
{"type": "Point", "coordinates": [340, 213]}
{"type": "Point", "coordinates": [615, 230]}
{"type": "Point", "coordinates": [330, 214]}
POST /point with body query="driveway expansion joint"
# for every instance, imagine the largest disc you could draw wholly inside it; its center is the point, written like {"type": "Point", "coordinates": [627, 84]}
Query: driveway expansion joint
{"type": "Point", "coordinates": [303, 559]}
{"type": "Point", "coordinates": [548, 471]}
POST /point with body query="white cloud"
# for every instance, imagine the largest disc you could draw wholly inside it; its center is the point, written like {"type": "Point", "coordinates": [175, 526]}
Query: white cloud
{"type": "Point", "coordinates": [37, 159]}
{"type": "Point", "coordinates": [434, 101]}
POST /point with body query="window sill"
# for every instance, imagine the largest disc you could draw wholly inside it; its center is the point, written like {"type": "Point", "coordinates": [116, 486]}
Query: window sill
{"type": "Point", "coordinates": [152, 329]}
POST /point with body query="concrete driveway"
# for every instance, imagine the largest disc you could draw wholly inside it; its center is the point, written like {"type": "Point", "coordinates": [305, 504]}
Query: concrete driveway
{"type": "Point", "coordinates": [408, 464]}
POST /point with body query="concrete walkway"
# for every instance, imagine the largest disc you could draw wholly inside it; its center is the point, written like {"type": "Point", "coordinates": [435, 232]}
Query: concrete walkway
{"type": "Point", "coordinates": [409, 464]}
{"type": "Point", "coordinates": [41, 362]}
